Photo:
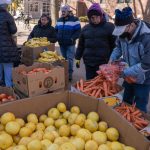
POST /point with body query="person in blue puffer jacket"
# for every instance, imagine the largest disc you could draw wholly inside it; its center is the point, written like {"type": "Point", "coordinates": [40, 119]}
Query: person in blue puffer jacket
{"type": "Point", "coordinates": [68, 30]}
{"type": "Point", "coordinates": [134, 46]}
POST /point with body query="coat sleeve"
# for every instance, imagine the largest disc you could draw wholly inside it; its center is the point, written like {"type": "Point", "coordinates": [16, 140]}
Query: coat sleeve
{"type": "Point", "coordinates": [138, 71]}
{"type": "Point", "coordinates": [80, 48]}
{"type": "Point", "coordinates": [112, 38]}
{"type": "Point", "coordinates": [11, 25]}
{"type": "Point", "coordinates": [117, 52]}
{"type": "Point", "coordinates": [32, 33]}
{"type": "Point", "coordinates": [52, 36]}
{"type": "Point", "coordinates": [77, 30]}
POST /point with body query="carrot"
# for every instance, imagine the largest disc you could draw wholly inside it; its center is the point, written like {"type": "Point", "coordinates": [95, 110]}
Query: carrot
{"type": "Point", "coordinates": [81, 84]}
{"type": "Point", "coordinates": [128, 117]}
{"type": "Point", "coordinates": [136, 112]}
{"type": "Point", "coordinates": [93, 93]}
{"type": "Point", "coordinates": [78, 86]}
{"type": "Point", "coordinates": [105, 88]}
{"type": "Point", "coordinates": [97, 93]}
{"type": "Point", "coordinates": [145, 123]}
{"type": "Point", "coordinates": [137, 126]}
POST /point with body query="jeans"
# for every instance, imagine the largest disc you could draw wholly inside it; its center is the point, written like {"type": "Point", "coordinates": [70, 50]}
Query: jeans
{"type": "Point", "coordinates": [137, 93]}
{"type": "Point", "coordinates": [6, 70]}
{"type": "Point", "coordinates": [68, 52]}
{"type": "Point", "coordinates": [91, 71]}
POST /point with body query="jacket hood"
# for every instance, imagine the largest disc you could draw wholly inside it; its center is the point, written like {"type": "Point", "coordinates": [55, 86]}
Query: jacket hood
{"type": "Point", "coordinates": [96, 7]}
{"type": "Point", "coordinates": [141, 29]}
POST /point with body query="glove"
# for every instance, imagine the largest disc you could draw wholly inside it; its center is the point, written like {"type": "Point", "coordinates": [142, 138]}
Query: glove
{"type": "Point", "coordinates": [130, 80]}
{"type": "Point", "coordinates": [78, 63]}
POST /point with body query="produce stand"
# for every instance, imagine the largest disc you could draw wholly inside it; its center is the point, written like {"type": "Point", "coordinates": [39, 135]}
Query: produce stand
{"type": "Point", "coordinates": [41, 104]}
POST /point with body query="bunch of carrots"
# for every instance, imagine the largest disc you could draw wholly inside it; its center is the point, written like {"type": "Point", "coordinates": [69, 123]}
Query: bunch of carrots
{"type": "Point", "coordinates": [133, 115]}
{"type": "Point", "coordinates": [35, 70]}
{"type": "Point", "coordinates": [98, 87]}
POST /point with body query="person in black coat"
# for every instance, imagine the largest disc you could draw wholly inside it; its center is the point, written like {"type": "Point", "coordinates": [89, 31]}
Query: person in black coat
{"type": "Point", "coordinates": [96, 41]}
{"type": "Point", "coordinates": [8, 49]}
{"type": "Point", "coordinates": [44, 29]}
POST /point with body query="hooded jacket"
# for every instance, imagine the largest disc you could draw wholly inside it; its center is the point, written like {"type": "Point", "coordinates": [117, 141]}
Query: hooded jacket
{"type": "Point", "coordinates": [8, 48]}
{"type": "Point", "coordinates": [96, 42]}
{"type": "Point", "coordinates": [136, 53]}
{"type": "Point", "coordinates": [44, 31]}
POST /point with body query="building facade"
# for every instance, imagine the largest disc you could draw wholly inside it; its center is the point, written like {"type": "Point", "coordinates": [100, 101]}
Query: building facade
{"type": "Point", "coordinates": [36, 8]}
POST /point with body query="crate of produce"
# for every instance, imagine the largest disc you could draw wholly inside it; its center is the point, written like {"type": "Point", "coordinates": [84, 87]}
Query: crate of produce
{"type": "Point", "coordinates": [38, 79]}
{"type": "Point", "coordinates": [63, 120]}
{"type": "Point", "coordinates": [32, 49]}
{"type": "Point", "coordinates": [7, 95]}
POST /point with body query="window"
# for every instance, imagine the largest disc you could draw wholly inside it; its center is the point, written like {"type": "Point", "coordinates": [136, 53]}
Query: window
{"type": "Point", "coordinates": [46, 8]}
{"type": "Point", "coordinates": [120, 1]}
{"type": "Point", "coordinates": [102, 1]}
{"type": "Point", "coordinates": [34, 7]}
{"type": "Point", "coordinates": [124, 1]}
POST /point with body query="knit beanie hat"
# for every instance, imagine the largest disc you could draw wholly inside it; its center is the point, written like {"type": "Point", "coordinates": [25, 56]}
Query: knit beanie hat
{"type": "Point", "coordinates": [96, 10]}
{"type": "Point", "coordinates": [122, 20]}
{"type": "Point", "coordinates": [65, 8]}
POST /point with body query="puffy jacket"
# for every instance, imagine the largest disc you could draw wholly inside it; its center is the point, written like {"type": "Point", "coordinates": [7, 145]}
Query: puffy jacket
{"type": "Point", "coordinates": [44, 31]}
{"type": "Point", "coordinates": [136, 53]}
{"type": "Point", "coordinates": [96, 43]}
{"type": "Point", "coordinates": [8, 48]}
{"type": "Point", "coordinates": [68, 30]}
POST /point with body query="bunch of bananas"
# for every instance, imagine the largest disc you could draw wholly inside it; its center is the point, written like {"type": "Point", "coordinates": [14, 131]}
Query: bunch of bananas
{"type": "Point", "coordinates": [37, 42]}
{"type": "Point", "coordinates": [49, 56]}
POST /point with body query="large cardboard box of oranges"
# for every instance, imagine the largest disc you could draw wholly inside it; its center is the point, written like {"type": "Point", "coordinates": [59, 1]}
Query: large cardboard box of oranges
{"type": "Point", "coordinates": [38, 79]}
{"type": "Point", "coordinates": [84, 131]}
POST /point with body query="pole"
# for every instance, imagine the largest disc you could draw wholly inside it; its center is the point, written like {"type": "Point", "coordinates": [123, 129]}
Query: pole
{"type": "Point", "coordinates": [54, 11]}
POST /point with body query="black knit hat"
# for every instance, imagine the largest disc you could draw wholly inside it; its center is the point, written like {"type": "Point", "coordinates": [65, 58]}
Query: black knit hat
{"type": "Point", "coordinates": [124, 17]}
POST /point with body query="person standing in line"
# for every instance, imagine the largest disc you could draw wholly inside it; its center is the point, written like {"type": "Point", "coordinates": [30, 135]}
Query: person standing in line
{"type": "Point", "coordinates": [68, 30]}
{"type": "Point", "coordinates": [96, 41]}
{"type": "Point", "coordinates": [8, 49]}
{"type": "Point", "coordinates": [44, 29]}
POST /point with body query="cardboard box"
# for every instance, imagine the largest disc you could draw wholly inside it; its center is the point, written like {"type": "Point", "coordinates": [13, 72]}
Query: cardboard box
{"type": "Point", "coordinates": [118, 95]}
{"type": "Point", "coordinates": [38, 83]}
{"type": "Point", "coordinates": [63, 63]}
{"type": "Point", "coordinates": [41, 104]}
{"type": "Point", "coordinates": [29, 55]}
{"type": "Point", "coordinates": [8, 91]}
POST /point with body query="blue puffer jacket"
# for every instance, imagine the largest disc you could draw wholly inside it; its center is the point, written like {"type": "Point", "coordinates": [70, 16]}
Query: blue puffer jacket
{"type": "Point", "coordinates": [68, 30]}
{"type": "Point", "coordinates": [136, 53]}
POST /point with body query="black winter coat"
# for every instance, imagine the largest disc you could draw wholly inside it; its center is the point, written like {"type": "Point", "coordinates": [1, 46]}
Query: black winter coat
{"type": "Point", "coordinates": [8, 48]}
{"type": "Point", "coordinates": [44, 31]}
{"type": "Point", "coordinates": [96, 43]}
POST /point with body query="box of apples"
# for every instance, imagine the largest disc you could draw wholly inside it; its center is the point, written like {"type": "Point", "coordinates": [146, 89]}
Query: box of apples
{"type": "Point", "coordinates": [7, 95]}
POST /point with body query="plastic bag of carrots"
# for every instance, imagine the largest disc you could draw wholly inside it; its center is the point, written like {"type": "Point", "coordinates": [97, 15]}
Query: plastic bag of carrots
{"type": "Point", "coordinates": [133, 115]}
{"type": "Point", "coordinates": [98, 87]}
{"type": "Point", "coordinates": [112, 71]}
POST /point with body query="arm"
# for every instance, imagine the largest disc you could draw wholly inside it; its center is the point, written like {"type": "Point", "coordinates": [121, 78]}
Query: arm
{"type": "Point", "coordinates": [31, 34]}
{"type": "Point", "coordinates": [117, 52]}
{"type": "Point", "coordinates": [112, 38]}
{"type": "Point", "coordinates": [80, 48]}
{"type": "Point", "coordinates": [11, 25]}
{"type": "Point", "coordinates": [138, 71]}
{"type": "Point", "coordinates": [77, 30]}
{"type": "Point", "coordinates": [52, 36]}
